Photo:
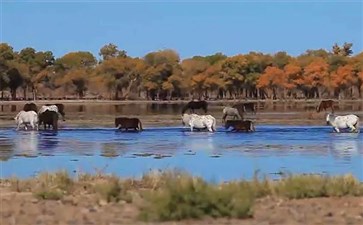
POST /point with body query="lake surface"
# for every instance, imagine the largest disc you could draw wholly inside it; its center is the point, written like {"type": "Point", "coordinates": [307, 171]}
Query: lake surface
{"type": "Point", "coordinates": [218, 156]}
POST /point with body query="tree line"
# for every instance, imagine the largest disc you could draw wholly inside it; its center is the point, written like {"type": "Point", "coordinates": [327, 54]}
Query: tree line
{"type": "Point", "coordinates": [161, 75]}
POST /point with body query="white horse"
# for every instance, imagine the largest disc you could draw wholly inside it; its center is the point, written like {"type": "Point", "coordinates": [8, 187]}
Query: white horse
{"type": "Point", "coordinates": [44, 108]}
{"type": "Point", "coordinates": [229, 111]}
{"type": "Point", "coordinates": [199, 122]}
{"type": "Point", "coordinates": [26, 118]}
{"type": "Point", "coordinates": [342, 122]}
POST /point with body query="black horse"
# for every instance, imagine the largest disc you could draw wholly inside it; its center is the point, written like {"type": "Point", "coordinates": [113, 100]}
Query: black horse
{"type": "Point", "coordinates": [195, 105]}
{"type": "Point", "coordinates": [325, 104]}
{"type": "Point", "coordinates": [128, 123]}
{"type": "Point", "coordinates": [30, 107]}
{"type": "Point", "coordinates": [60, 110]}
{"type": "Point", "coordinates": [49, 118]}
{"type": "Point", "coordinates": [240, 125]}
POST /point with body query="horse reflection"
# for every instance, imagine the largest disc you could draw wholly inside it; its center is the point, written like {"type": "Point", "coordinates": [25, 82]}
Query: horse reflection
{"type": "Point", "coordinates": [201, 142]}
{"type": "Point", "coordinates": [26, 144]}
{"type": "Point", "coordinates": [113, 149]}
{"type": "Point", "coordinates": [351, 145]}
{"type": "Point", "coordinates": [48, 140]}
{"type": "Point", "coordinates": [6, 149]}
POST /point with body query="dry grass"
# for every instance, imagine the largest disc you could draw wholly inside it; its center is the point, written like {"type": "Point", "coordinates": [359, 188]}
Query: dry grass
{"type": "Point", "coordinates": [173, 195]}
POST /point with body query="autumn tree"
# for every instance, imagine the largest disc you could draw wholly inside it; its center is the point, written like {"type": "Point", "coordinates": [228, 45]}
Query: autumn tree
{"type": "Point", "coordinates": [35, 63]}
{"type": "Point", "coordinates": [73, 71]}
{"type": "Point", "coordinates": [120, 74]}
{"type": "Point", "coordinates": [234, 70]}
{"type": "Point", "coordinates": [273, 80]}
{"type": "Point", "coordinates": [316, 77]}
{"type": "Point", "coordinates": [6, 55]}
{"type": "Point", "coordinates": [160, 66]}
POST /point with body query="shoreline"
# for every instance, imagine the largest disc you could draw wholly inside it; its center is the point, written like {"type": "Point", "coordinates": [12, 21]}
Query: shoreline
{"type": "Point", "coordinates": [174, 101]}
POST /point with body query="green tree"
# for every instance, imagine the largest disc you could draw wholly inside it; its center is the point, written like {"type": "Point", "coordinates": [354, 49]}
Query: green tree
{"type": "Point", "coordinates": [111, 51]}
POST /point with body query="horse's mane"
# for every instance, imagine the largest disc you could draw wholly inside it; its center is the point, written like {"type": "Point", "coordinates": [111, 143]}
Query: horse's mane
{"type": "Point", "coordinates": [185, 108]}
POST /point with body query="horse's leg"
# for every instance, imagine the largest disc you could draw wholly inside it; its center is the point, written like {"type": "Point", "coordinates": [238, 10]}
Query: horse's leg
{"type": "Point", "coordinates": [352, 128]}
{"type": "Point", "coordinates": [332, 109]}
{"type": "Point", "coordinates": [336, 129]}
{"type": "Point", "coordinates": [224, 117]}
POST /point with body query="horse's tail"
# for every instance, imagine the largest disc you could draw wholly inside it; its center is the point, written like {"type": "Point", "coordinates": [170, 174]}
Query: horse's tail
{"type": "Point", "coordinates": [140, 125]}
{"type": "Point", "coordinates": [17, 116]}
{"type": "Point", "coordinates": [357, 127]}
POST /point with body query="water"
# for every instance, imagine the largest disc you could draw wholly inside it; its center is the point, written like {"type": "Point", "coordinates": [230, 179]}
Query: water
{"type": "Point", "coordinates": [219, 156]}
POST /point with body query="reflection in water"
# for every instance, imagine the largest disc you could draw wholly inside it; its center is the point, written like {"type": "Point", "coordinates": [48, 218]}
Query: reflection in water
{"type": "Point", "coordinates": [112, 149]}
{"type": "Point", "coordinates": [226, 155]}
{"type": "Point", "coordinates": [81, 108]}
{"type": "Point", "coordinates": [26, 143]}
{"type": "Point", "coordinates": [48, 141]}
{"type": "Point", "coordinates": [346, 145]}
{"type": "Point", "coordinates": [6, 148]}
{"type": "Point", "coordinates": [13, 108]}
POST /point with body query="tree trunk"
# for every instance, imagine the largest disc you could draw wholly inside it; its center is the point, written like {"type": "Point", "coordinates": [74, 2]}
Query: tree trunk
{"type": "Point", "coordinates": [35, 91]}
{"type": "Point", "coordinates": [116, 94]}
{"type": "Point", "coordinates": [13, 94]}
{"type": "Point", "coordinates": [25, 89]}
{"type": "Point", "coordinates": [128, 89]}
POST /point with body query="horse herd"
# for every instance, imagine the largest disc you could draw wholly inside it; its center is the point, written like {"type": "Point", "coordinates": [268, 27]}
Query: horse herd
{"type": "Point", "coordinates": [49, 114]}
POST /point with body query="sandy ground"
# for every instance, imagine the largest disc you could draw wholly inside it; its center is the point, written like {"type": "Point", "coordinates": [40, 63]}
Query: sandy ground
{"type": "Point", "coordinates": [24, 209]}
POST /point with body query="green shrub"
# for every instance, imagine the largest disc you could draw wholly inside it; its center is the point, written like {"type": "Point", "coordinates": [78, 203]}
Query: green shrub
{"type": "Point", "coordinates": [193, 198]}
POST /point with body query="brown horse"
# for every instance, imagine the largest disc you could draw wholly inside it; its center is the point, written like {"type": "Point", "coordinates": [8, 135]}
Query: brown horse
{"type": "Point", "coordinates": [244, 107]}
{"type": "Point", "coordinates": [49, 118]}
{"type": "Point", "coordinates": [128, 123]}
{"type": "Point", "coordinates": [30, 107]}
{"type": "Point", "coordinates": [325, 104]}
{"type": "Point", "coordinates": [195, 105]}
{"type": "Point", "coordinates": [240, 125]}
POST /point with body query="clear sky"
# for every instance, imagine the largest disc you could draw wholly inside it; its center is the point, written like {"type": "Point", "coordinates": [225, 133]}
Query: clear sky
{"type": "Point", "coordinates": [190, 28]}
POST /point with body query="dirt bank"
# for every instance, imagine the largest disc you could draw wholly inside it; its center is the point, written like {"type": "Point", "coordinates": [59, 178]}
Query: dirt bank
{"type": "Point", "coordinates": [25, 209]}
{"type": "Point", "coordinates": [57, 198]}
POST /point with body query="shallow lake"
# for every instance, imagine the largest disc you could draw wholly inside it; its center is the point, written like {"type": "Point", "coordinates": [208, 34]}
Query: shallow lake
{"type": "Point", "coordinates": [218, 156]}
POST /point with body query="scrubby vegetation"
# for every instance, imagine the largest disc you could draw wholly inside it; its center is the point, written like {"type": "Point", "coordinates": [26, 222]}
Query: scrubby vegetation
{"type": "Point", "coordinates": [177, 196]}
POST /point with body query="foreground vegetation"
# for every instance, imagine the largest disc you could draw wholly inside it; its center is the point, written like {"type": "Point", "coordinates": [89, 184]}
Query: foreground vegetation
{"type": "Point", "coordinates": [163, 75]}
{"type": "Point", "coordinates": [177, 196]}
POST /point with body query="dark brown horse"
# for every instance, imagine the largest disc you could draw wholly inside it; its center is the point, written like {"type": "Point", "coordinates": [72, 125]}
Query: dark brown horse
{"type": "Point", "coordinates": [245, 107]}
{"type": "Point", "coordinates": [60, 110]}
{"type": "Point", "coordinates": [240, 125]}
{"type": "Point", "coordinates": [30, 107]}
{"type": "Point", "coordinates": [128, 123]}
{"type": "Point", "coordinates": [49, 118]}
{"type": "Point", "coordinates": [324, 105]}
{"type": "Point", "coordinates": [195, 105]}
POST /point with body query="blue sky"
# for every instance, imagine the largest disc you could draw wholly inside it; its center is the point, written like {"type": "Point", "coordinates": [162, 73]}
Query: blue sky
{"type": "Point", "coordinates": [190, 28]}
